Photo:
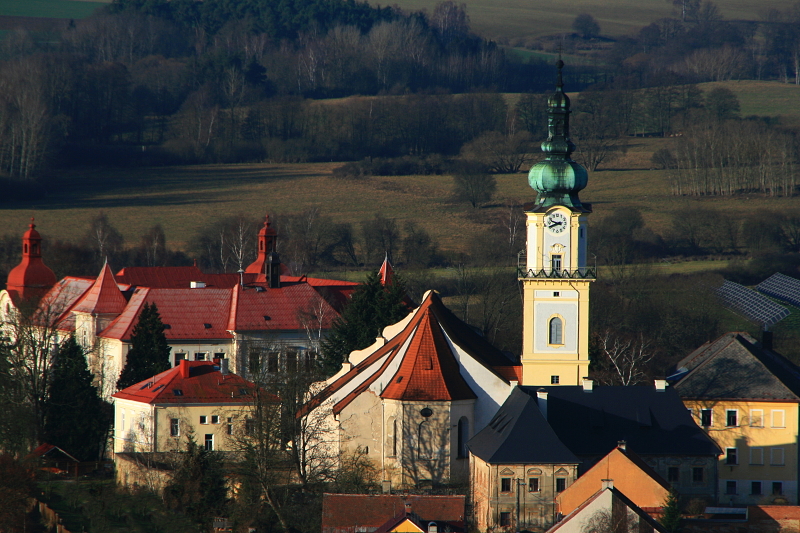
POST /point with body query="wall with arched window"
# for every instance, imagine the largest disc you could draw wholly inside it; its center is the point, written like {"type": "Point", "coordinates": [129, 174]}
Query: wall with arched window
{"type": "Point", "coordinates": [555, 331]}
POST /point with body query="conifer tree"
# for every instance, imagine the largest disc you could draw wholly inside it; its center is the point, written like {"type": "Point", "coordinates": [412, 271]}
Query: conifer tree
{"type": "Point", "coordinates": [149, 352]}
{"type": "Point", "coordinates": [371, 308]}
{"type": "Point", "coordinates": [197, 487]}
{"type": "Point", "coordinates": [671, 518]}
{"type": "Point", "coordinates": [76, 418]}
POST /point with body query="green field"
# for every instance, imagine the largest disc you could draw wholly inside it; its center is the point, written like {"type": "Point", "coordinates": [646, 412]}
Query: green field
{"type": "Point", "coordinates": [764, 98]}
{"type": "Point", "coordinates": [64, 9]}
{"type": "Point", "coordinates": [187, 197]}
{"type": "Point", "coordinates": [512, 19]}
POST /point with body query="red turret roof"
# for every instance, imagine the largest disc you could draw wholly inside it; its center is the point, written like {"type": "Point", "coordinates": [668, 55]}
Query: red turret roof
{"type": "Point", "coordinates": [104, 297]}
{"type": "Point", "coordinates": [386, 272]}
{"type": "Point", "coordinates": [31, 278]}
{"type": "Point", "coordinates": [266, 244]}
{"type": "Point", "coordinates": [191, 382]}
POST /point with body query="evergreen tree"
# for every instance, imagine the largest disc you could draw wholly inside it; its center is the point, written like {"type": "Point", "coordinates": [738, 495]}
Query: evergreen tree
{"type": "Point", "coordinates": [197, 488]}
{"type": "Point", "coordinates": [76, 418]}
{"type": "Point", "coordinates": [671, 519]}
{"type": "Point", "coordinates": [149, 352]}
{"type": "Point", "coordinates": [372, 308]}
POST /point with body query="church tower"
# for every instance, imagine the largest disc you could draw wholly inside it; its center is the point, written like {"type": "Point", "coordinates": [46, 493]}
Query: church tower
{"type": "Point", "coordinates": [554, 275]}
{"type": "Point", "coordinates": [31, 278]}
{"type": "Point", "coordinates": [267, 239]}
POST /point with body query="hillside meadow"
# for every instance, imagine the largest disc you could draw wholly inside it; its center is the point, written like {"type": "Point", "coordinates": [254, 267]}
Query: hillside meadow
{"type": "Point", "coordinates": [184, 198]}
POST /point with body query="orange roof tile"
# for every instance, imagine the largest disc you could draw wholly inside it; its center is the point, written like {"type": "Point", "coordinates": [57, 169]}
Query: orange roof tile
{"type": "Point", "coordinates": [429, 370]}
{"type": "Point", "coordinates": [350, 513]}
{"type": "Point", "coordinates": [195, 382]}
{"type": "Point", "coordinates": [104, 297]}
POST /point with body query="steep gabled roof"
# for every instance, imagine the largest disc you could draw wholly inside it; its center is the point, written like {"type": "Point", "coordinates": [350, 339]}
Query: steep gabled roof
{"type": "Point", "coordinates": [104, 297]}
{"type": "Point", "coordinates": [191, 382]}
{"type": "Point", "coordinates": [519, 433]}
{"type": "Point", "coordinates": [420, 362]}
{"type": "Point", "coordinates": [162, 277]}
{"type": "Point", "coordinates": [735, 366]}
{"type": "Point", "coordinates": [651, 421]}
{"type": "Point", "coordinates": [186, 313]}
{"type": "Point", "coordinates": [603, 500]}
{"type": "Point", "coordinates": [286, 308]}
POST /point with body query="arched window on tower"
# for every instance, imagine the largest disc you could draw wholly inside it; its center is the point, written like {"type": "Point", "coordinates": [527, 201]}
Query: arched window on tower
{"type": "Point", "coordinates": [463, 437]}
{"type": "Point", "coordinates": [556, 331]}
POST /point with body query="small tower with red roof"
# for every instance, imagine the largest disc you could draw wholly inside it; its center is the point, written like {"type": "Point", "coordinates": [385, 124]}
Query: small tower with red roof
{"type": "Point", "coordinates": [267, 239]}
{"type": "Point", "coordinates": [31, 278]}
{"type": "Point", "coordinates": [386, 273]}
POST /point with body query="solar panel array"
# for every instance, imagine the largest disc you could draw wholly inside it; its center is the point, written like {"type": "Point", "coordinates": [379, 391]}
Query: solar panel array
{"type": "Point", "coordinates": [752, 305]}
{"type": "Point", "coordinates": [782, 287]}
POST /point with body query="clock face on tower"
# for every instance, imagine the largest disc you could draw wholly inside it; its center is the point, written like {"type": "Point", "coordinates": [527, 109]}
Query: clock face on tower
{"type": "Point", "coordinates": [556, 222]}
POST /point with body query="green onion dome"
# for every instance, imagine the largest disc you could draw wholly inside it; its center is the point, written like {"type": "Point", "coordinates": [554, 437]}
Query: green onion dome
{"type": "Point", "coordinates": [558, 178]}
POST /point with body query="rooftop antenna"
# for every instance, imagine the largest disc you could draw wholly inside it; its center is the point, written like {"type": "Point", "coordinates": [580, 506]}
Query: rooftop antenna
{"type": "Point", "coordinates": [241, 278]}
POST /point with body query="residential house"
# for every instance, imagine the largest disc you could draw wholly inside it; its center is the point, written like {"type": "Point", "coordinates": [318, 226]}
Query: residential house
{"type": "Point", "coordinates": [543, 438]}
{"type": "Point", "coordinates": [608, 510]}
{"type": "Point", "coordinates": [746, 397]}
{"type": "Point", "coordinates": [630, 474]}
{"type": "Point", "coordinates": [197, 400]}
{"type": "Point", "coordinates": [412, 400]}
{"type": "Point", "coordinates": [382, 513]}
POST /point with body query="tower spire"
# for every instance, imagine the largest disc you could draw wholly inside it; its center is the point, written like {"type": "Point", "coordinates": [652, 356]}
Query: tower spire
{"type": "Point", "coordinates": [558, 178]}
{"type": "Point", "coordinates": [267, 240]}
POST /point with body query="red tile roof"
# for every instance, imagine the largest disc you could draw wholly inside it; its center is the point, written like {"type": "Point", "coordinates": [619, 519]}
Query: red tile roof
{"type": "Point", "coordinates": [421, 358]}
{"type": "Point", "coordinates": [352, 513]}
{"type": "Point", "coordinates": [163, 277]}
{"type": "Point", "coordinates": [429, 371]}
{"type": "Point", "coordinates": [104, 297]}
{"type": "Point", "coordinates": [196, 382]}
{"type": "Point", "coordinates": [187, 313]}
{"type": "Point", "coordinates": [282, 308]}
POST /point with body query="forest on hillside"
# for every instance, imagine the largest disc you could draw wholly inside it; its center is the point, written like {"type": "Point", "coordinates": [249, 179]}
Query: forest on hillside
{"type": "Point", "coordinates": [172, 82]}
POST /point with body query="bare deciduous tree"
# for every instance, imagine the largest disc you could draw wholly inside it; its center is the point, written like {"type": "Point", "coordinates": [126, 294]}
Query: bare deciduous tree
{"type": "Point", "coordinates": [625, 359]}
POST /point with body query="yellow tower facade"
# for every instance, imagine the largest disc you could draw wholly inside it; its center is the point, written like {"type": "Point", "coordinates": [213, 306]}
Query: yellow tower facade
{"type": "Point", "coordinates": [554, 273]}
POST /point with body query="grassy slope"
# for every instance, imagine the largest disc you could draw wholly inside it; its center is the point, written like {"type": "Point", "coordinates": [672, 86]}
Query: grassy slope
{"type": "Point", "coordinates": [185, 198]}
{"type": "Point", "coordinates": [523, 18]}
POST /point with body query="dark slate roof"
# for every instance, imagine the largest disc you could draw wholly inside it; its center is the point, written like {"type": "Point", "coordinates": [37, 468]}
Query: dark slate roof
{"type": "Point", "coordinates": [590, 424]}
{"type": "Point", "coordinates": [518, 433]}
{"type": "Point", "coordinates": [735, 366]}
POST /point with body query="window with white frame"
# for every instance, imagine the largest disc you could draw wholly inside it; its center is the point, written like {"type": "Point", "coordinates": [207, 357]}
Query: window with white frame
{"type": "Point", "coordinates": [731, 456]}
{"type": "Point", "coordinates": [757, 418]}
{"type": "Point", "coordinates": [123, 420]}
{"type": "Point", "coordinates": [776, 457]}
{"type": "Point", "coordinates": [209, 441]}
{"type": "Point", "coordinates": [174, 427]}
{"type": "Point", "coordinates": [203, 419]}
{"type": "Point", "coordinates": [731, 418]}
{"type": "Point", "coordinates": [706, 418]}
{"type": "Point", "coordinates": [757, 456]}
{"type": "Point", "coordinates": [778, 418]}
{"type": "Point", "coordinates": [214, 419]}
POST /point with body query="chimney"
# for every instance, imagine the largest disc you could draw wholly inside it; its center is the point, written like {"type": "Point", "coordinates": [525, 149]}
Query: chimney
{"type": "Point", "coordinates": [588, 385]}
{"type": "Point", "coordinates": [432, 528]}
{"type": "Point", "coordinates": [766, 340]}
{"type": "Point", "coordinates": [661, 385]}
{"type": "Point", "coordinates": [607, 483]}
{"type": "Point", "coordinates": [386, 485]}
{"type": "Point", "coordinates": [184, 368]}
{"type": "Point", "coordinates": [408, 508]}
{"type": "Point", "coordinates": [541, 396]}
{"type": "Point", "coordinates": [622, 445]}
{"type": "Point", "coordinates": [223, 367]}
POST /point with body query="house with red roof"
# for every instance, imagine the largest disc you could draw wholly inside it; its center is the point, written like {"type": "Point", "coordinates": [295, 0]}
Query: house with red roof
{"type": "Point", "coordinates": [197, 400]}
{"type": "Point", "coordinates": [412, 400]}
{"type": "Point", "coordinates": [261, 320]}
